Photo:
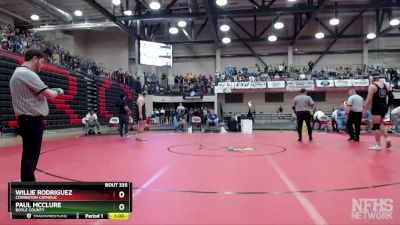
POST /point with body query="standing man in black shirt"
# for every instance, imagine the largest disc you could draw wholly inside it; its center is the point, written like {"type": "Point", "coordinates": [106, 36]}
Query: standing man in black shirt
{"type": "Point", "coordinates": [123, 116]}
{"type": "Point", "coordinates": [302, 107]}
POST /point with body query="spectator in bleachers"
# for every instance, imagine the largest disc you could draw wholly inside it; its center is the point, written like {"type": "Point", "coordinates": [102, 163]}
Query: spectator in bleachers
{"type": "Point", "coordinates": [4, 44]}
{"type": "Point", "coordinates": [91, 121]}
{"type": "Point", "coordinates": [251, 78]}
{"type": "Point", "coordinates": [310, 66]}
{"type": "Point", "coordinates": [56, 57]}
{"type": "Point", "coordinates": [164, 80]}
{"type": "Point", "coordinates": [229, 70]}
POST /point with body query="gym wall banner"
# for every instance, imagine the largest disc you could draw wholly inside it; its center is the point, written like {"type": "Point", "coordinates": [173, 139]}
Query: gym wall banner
{"type": "Point", "coordinates": [193, 95]}
{"type": "Point", "coordinates": [276, 84]}
{"type": "Point", "coordinates": [343, 83]}
{"type": "Point", "coordinates": [230, 85]}
{"type": "Point", "coordinates": [324, 83]}
{"type": "Point", "coordinates": [360, 82]}
{"type": "Point", "coordinates": [219, 89]}
{"type": "Point", "coordinates": [299, 84]}
{"type": "Point", "coordinates": [251, 85]}
{"type": "Point", "coordinates": [242, 85]}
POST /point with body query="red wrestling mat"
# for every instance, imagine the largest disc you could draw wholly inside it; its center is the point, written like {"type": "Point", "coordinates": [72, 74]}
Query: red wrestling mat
{"type": "Point", "coordinates": [259, 178]}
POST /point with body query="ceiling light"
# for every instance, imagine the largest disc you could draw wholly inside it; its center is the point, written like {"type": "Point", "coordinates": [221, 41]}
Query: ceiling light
{"type": "Point", "coordinates": [181, 23]}
{"type": "Point", "coordinates": [173, 30]}
{"type": "Point", "coordinates": [394, 22]}
{"type": "Point", "coordinates": [224, 27]}
{"type": "Point", "coordinates": [154, 5]}
{"type": "Point", "coordinates": [221, 2]}
{"type": "Point", "coordinates": [296, 50]}
{"type": "Point", "coordinates": [371, 36]}
{"type": "Point", "coordinates": [319, 35]}
{"type": "Point", "coordinates": [116, 2]}
{"type": "Point", "coordinates": [128, 12]}
{"type": "Point", "coordinates": [272, 38]}
{"type": "Point", "coordinates": [78, 13]}
{"type": "Point", "coordinates": [35, 17]}
{"type": "Point", "coordinates": [291, 0]}
{"type": "Point", "coordinates": [278, 25]}
{"type": "Point", "coordinates": [226, 40]}
{"type": "Point", "coordinates": [334, 21]}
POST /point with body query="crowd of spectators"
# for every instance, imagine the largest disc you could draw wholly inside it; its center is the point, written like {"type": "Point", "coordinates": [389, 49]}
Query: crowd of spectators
{"type": "Point", "coordinates": [284, 73]}
{"type": "Point", "coordinates": [182, 84]}
{"type": "Point", "coordinates": [165, 115]}
{"type": "Point", "coordinates": [18, 40]}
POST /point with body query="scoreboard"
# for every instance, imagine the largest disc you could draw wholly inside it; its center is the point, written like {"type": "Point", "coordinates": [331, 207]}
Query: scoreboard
{"type": "Point", "coordinates": [70, 200]}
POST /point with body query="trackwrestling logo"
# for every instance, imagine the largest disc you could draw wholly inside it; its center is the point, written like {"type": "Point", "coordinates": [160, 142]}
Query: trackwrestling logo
{"type": "Point", "coordinates": [372, 209]}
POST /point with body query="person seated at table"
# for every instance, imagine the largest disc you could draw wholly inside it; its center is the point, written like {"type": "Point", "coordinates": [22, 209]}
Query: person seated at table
{"type": "Point", "coordinates": [91, 121]}
{"type": "Point", "coordinates": [318, 117]}
{"type": "Point", "coordinates": [212, 119]}
{"type": "Point", "coordinates": [341, 118]}
{"type": "Point", "coordinates": [366, 119]}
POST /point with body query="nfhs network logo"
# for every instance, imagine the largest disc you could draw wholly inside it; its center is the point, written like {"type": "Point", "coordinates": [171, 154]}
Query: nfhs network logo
{"type": "Point", "coordinates": [372, 209]}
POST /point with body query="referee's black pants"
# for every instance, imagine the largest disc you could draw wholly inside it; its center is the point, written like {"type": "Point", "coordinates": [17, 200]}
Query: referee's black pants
{"type": "Point", "coordinates": [304, 116]}
{"type": "Point", "coordinates": [31, 130]}
{"type": "Point", "coordinates": [354, 118]}
{"type": "Point", "coordinates": [123, 124]}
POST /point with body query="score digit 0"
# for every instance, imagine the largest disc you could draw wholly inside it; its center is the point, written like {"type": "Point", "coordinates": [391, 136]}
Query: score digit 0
{"type": "Point", "coordinates": [121, 194]}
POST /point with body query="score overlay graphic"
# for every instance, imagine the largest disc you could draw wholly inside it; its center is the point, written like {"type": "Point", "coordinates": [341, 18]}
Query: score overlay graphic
{"type": "Point", "coordinates": [64, 200]}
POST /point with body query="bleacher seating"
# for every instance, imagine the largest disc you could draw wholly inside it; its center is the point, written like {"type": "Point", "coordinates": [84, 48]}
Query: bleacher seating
{"type": "Point", "coordinates": [81, 94]}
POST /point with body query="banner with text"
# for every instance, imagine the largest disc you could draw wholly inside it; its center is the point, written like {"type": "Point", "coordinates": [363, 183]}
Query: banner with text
{"type": "Point", "coordinates": [219, 89]}
{"type": "Point", "coordinates": [276, 84]}
{"type": "Point", "coordinates": [296, 85]}
{"type": "Point", "coordinates": [230, 85]}
{"type": "Point", "coordinates": [243, 85]}
{"type": "Point", "coordinates": [343, 83]}
{"type": "Point", "coordinates": [251, 85]}
{"type": "Point", "coordinates": [360, 82]}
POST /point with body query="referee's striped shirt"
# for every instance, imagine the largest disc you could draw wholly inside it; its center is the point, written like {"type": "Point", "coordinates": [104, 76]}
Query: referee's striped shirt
{"type": "Point", "coordinates": [26, 88]}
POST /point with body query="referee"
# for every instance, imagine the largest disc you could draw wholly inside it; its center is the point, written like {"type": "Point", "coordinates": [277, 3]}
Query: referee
{"type": "Point", "coordinates": [29, 98]}
{"type": "Point", "coordinates": [302, 106]}
{"type": "Point", "coordinates": [355, 103]}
